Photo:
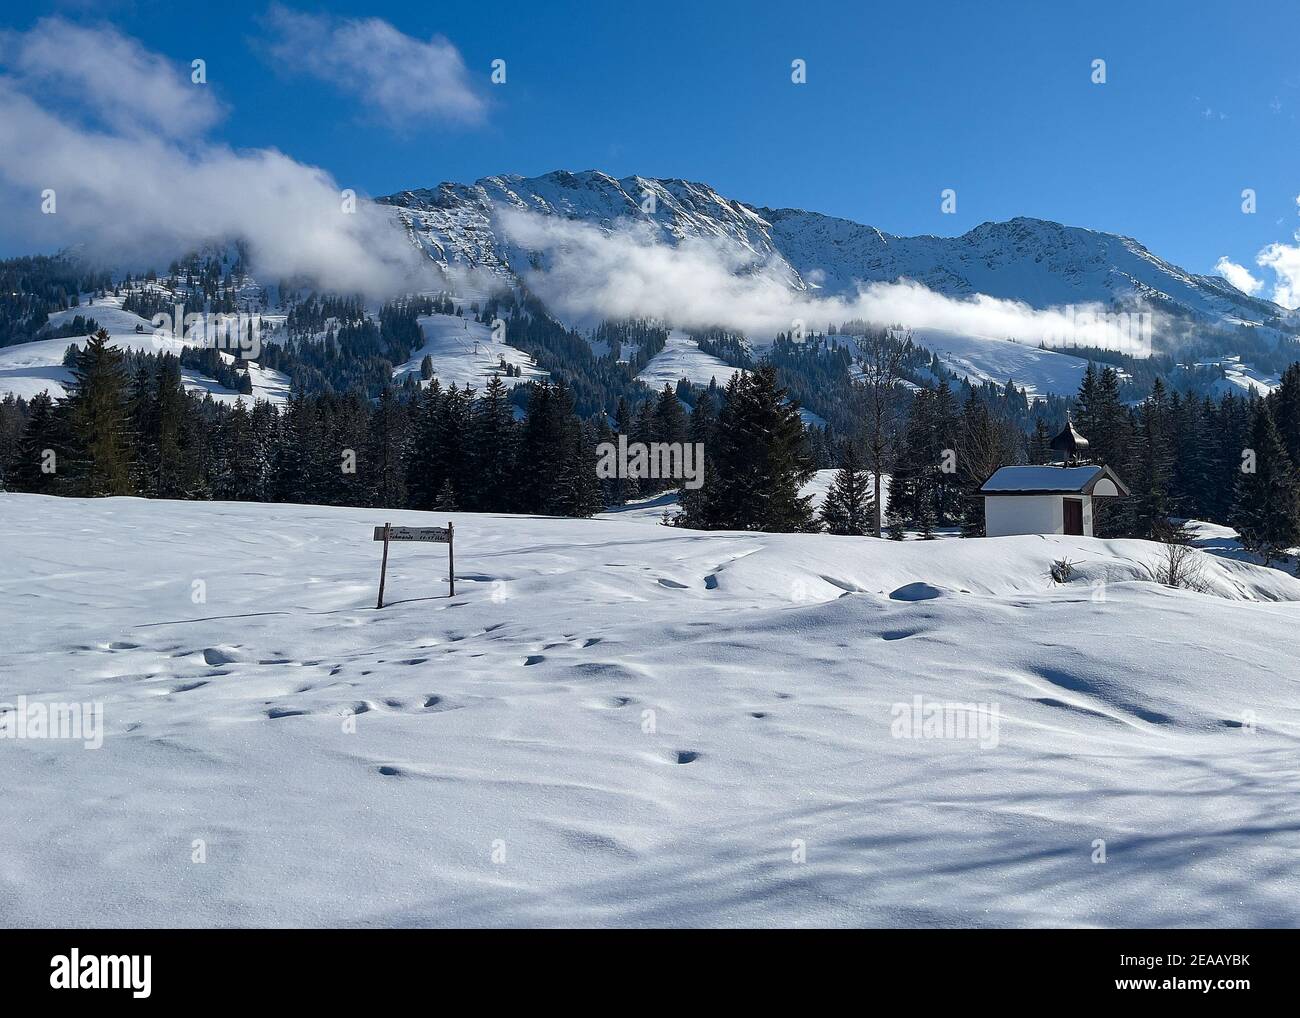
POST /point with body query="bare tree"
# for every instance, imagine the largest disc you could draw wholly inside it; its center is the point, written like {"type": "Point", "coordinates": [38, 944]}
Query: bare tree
{"type": "Point", "coordinates": [1180, 566]}
{"type": "Point", "coordinates": [883, 353]}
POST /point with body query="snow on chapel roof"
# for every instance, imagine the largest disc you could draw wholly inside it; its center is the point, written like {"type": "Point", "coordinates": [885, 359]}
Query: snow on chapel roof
{"type": "Point", "coordinates": [1049, 480]}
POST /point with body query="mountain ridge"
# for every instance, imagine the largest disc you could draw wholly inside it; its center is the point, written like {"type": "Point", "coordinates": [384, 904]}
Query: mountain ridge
{"type": "Point", "coordinates": [1039, 262]}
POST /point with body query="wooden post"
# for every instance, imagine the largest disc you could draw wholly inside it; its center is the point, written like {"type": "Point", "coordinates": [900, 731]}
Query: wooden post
{"type": "Point", "coordinates": [383, 569]}
{"type": "Point", "coordinates": [451, 557]}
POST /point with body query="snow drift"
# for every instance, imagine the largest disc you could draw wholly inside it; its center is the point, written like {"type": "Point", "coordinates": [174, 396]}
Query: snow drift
{"type": "Point", "coordinates": [617, 723]}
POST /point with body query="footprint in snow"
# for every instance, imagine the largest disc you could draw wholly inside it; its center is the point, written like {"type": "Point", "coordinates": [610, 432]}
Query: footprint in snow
{"type": "Point", "coordinates": [284, 712]}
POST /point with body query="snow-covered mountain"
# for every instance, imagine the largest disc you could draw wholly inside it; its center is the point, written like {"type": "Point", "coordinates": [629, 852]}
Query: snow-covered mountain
{"type": "Point", "coordinates": [1042, 263]}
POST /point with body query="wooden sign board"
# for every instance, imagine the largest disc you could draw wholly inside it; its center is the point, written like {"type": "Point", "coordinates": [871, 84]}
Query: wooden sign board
{"type": "Point", "coordinates": [429, 535]}
{"type": "Point", "coordinates": [436, 535]}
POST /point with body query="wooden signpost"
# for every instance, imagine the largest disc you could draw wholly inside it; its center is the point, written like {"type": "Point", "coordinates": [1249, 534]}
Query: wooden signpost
{"type": "Point", "coordinates": [432, 535]}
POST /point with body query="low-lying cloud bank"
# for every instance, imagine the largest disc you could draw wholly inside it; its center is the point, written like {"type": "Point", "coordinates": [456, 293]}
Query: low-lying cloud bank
{"type": "Point", "coordinates": [589, 272]}
{"type": "Point", "coordinates": [112, 137]}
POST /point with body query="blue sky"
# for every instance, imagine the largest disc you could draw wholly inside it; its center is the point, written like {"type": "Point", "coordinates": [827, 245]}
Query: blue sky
{"type": "Point", "coordinates": [902, 100]}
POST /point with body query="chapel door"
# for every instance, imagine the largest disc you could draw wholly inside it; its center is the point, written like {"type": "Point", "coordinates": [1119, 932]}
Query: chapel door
{"type": "Point", "coordinates": [1074, 516]}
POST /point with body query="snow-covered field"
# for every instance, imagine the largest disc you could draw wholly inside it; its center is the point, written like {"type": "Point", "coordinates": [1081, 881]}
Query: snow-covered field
{"type": "Point", "coordinates": [619, 723]}
{"type": "Point", "coordinates": [463, 353]}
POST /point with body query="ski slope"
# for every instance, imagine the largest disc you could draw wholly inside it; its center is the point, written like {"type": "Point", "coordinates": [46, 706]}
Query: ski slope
{"type": "Point", "coordinates": [985, 359]}
{"type": "Point", "coordinates": [464, 353]}
{"type": "Point", "coordinates": [615, 723]}
{"type": "Point", "coordinates": [681, 358]}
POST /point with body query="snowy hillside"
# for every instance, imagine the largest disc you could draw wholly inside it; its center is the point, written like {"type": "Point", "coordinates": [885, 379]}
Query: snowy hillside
{"type": "Point", "coordinates": [1034, 262]}
{"type": "Point", "coordinates": [681, 358]}
{"type": "Point", "coordinates": [463, 353]}
{"type": "Point", "coordinates": [28, 369]}
{"type": "Point", "coordinates": [986, 359]}
{"type": "Point", "coordinates": [619, 723]}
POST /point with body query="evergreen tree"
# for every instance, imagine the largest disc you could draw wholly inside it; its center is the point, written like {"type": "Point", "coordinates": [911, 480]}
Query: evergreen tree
{"type": "Point", "coordinates": [847, 508]}
{"type": "Point", "coordinates": [446, 500]}
{"type": "Point", "coordinates": [1040, 444]}
{"type": "Point", "coordinates": [238, 478]}
{"type": "Point", "coordinates": [424, 462]}
{"type": "Point", "coordinates": [387, 451]}
{"type": "Point", "coordinates": [760, 463]}
{"type": "Point", "coordinates": [541, 452]}
{"type": "Point", "coordinates": [98, 418]}
{"type": "Point", "coordinates": [1152, 479]}
{"type": "Point", "coordinates": [162, 439]}
{"type": "Point", "coordinates": [493, 441]}
{"type": "Point", "coordinates": [36, 466]}
{"type": "Point", "coordinates": [1267, 514]}
{"type": "Point", "coordinates": [1286, 411]}
{"type": "Point", "coordinates": [301, 470]}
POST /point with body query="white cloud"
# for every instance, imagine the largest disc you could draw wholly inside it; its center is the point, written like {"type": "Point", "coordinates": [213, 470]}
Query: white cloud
{"type": "Point", "coordinates": [405, 79]}
{"type": "Point", "coordinates": [1284, 259]}
{"type": "Point", "coordinates": [591, 273]}
{"type": "Point", "coordinates": [1238, 275]}
{"type": "Point", "coordinates": [109, 75]}
{"type": "Point", "coordinates": [136, 194]}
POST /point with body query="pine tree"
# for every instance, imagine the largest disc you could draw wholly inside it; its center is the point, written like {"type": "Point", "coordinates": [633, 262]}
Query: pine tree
{"type": "Point", "coordinates": [493, 440]}
{"type": "Point", "coordinates": [301, 470]}
{"type": "Point", "coordinates": [982, 449]}
{"type": "Point", "coordinates": [386, 455]}
{"type": "Point", "coordinates": [1286, 411]}
{"type": "Point", "coordinates": [446, 500]}
{"type": "Point", "coordinates": [1267, 514]}
{"type": "Point", "coordinates": [165, 434]}
{"type": "Point", "coordinates": [759, 464]}
{"type": "Point", "coordinates": [352, 481]}
{"type": "Point", "coordinates": [12, 419]}
{"type": "Point", "coordinates": [97, 412]}
{"type": "Point", "coordinates": [1151, 481]}
{"type": "Point", "coordinates": [541, 452]}
{"type": "Point", "coordinates": [945, 418]}
{"type": "Point", "coordinates": [36, 466]}
{"type": "Point", "coordinates": [847, 508]}
{"type": "Point", "coordinates": [424, 459]}
{"type": "Point", "coordinates": [238, 477]}
{"type": "Point", "coordinates": [1040, 444]}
